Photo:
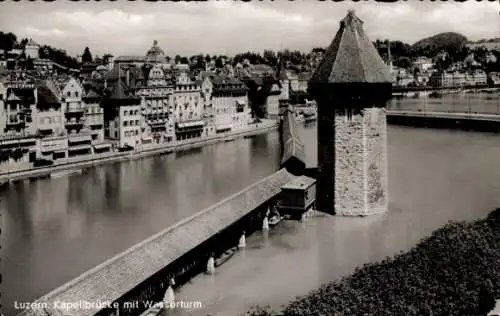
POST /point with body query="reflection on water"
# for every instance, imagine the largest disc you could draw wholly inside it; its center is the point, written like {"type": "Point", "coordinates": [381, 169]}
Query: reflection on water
{"type": "Point", "coordinates": [488, 103]}
{"type": "Point", "coordinates": [55, 229]}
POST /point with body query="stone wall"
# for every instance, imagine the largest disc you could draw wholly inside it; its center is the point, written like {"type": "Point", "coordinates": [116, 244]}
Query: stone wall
{"type": "Point", "coordinates": [361, 163]}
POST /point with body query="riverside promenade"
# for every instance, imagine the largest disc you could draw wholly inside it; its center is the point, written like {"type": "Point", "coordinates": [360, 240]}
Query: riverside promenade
{"type": "Point", "coordinates": [76, 163]}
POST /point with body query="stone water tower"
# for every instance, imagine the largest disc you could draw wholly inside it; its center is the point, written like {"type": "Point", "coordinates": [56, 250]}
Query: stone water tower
{"type": "Point", "coordinates": [352, 85]}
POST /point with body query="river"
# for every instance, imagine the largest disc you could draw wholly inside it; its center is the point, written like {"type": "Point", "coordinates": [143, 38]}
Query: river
{"type": "Point", "coordinates": [55, 229]}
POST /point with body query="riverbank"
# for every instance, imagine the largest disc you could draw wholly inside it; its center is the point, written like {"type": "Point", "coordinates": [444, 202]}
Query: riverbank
{"type": "Point", "coordinates": [106, 158]}
{"type": "Point", "coordinates": [428, 279]}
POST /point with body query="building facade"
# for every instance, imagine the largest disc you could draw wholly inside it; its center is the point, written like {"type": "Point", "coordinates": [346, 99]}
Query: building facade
{"type": "Point", "coordinates": [188, 108]}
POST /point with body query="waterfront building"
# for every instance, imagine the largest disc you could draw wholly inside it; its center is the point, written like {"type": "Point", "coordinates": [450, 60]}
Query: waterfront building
{"type": "Point", "coordinates": [18, 103]}
{"type": "Point", "coordinates": [352, 86]}
{"type": "Point", "coordinates": [230, 104]}
{"type": "Point", "coordinates": [31, 49]}
{"type": "Point", "coordinates": [73, 107]}
{"type": "Point", "coordinates": [188, 108]}
{"type": "Point", "coordinates": [17, 151]}
{"type": "Point", "coordinates": [157, 122]}
{"type": "Point", "coordinates": [94, 120]}
{"type": "Point", "coordinates": [48, 122]}
{"type": "Point", "coordinates": [273, 101]}
{"type": "Point", "coordinates": [208, 108]}
{"type": "Point", "coordinates": [123, 110]}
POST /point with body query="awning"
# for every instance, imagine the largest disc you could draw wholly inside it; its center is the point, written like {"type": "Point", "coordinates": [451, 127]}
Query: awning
{"type": "Point", "coordinates": [103, 145]}
{"type": "Point", "coordinates": [224, 126]}
{"type": "Point", "coordinates": [79, 147]}
{"type": "Point", "coordinates": [240, 102]}
{"type": "Point", "coordinates": [191, 124]}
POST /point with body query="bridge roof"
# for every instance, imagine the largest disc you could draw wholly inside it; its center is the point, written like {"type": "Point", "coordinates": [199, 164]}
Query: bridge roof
{"type": "Point", "coordinates": [351, 57]}
{"type": "Point", "coordinates": [112, 279]}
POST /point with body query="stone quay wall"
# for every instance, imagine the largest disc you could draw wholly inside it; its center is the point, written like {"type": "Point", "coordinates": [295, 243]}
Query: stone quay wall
{"type": "Point", "coordinates": [361, 163]}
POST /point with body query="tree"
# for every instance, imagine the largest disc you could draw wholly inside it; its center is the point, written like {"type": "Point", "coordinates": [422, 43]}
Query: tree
{"type": "Point", "coordinates": [184, 60]}
{"type": "Point", "coordinates": [177, 59]}
{"type": "Point", "coordinates": [7, 41]}
{"type": "Point", "coordinates": [218, 63]}
{"type": "Point", "coordinates": [402, 62]}
{"type": "Point", "coordinates": [270, 57]}
{"type": "Point", "coordinates": [87, 56]}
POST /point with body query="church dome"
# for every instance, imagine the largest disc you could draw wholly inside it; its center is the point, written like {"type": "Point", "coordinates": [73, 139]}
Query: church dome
{"type": "Point", "coordinates": [155, 53]}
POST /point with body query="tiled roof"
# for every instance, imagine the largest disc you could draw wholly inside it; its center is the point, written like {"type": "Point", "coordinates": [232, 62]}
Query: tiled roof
{"type": "Point", "coordinates": [351, 57]}
{"type": "Point", "coordinates": [112, 279]}
{"type": "Point", "coordinates": [46, 96]}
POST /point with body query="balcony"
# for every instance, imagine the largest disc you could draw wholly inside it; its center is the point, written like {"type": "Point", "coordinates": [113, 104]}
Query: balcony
{"type": "Point", "coordinates": [79, 138]}
{"type": "Point", "coordinates": [74, 123]}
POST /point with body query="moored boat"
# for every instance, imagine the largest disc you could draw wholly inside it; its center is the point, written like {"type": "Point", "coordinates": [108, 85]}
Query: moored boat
{"type": "Point", "coordinates": [59, 174]}
{"type": "Point", "coordinates": [225, 257]}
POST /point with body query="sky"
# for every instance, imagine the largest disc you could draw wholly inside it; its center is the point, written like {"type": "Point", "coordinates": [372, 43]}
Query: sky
{"type": "Point", "coordinates": [228, 27]}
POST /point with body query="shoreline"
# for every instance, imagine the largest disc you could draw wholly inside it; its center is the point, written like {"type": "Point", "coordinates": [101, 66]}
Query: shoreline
{"type": "Point", "coordinates": [42, 172]}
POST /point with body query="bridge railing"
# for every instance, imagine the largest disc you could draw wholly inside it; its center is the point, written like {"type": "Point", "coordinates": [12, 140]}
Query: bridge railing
{"type": "Point", "coordinates": [470, 104]}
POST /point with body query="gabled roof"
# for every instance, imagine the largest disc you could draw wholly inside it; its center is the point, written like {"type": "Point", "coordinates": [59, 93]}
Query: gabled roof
{"type": "Point", "coordinates": [46, 97]}
{"type": "Point", "coordinates": [351, 57]}
{"type": "Point", "coordinates": [13, 97]}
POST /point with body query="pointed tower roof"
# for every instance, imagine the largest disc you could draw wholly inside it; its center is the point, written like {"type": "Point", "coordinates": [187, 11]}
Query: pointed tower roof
{"type": "Point", "coordinates": [351, 57]}
{"type": "Point", "coordinates": [281, 74]}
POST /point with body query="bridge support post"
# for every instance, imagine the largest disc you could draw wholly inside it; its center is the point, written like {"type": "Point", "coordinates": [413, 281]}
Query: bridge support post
{"type": "Point", "coordinates": [352, 86]}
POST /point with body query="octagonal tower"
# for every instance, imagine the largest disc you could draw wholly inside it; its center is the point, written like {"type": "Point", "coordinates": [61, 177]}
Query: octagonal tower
{"type": "Point", "coordinates": [352, 86]}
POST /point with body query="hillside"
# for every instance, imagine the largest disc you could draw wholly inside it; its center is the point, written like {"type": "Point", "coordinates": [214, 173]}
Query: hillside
{"type": "Point", "coordinates": [448, 41]}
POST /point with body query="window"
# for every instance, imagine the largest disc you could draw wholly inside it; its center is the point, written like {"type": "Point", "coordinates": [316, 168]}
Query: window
{"type": "Point", "coordinates": [125, 113]}
{"type": "Point", "coordinates": [76, 94]}
{"type": "Point", "coordinates": [68, 94]}
{"type": "Point", "coordinates": [136, 132]}
{"type": "Point", "coordinates": [137, 122]}
{"type": "Point", "coordinates": [125, 123]}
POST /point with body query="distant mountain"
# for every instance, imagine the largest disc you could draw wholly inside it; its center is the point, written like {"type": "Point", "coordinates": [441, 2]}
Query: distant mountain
{"type": "Point", "coordinates": [448, 41]}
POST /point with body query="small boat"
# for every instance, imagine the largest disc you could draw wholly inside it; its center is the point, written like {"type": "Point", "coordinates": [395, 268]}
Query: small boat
{"type": "Point", "coordinates": [274, 220]}
{"type": "Point", "coordinates": [225, 257]}
{"type": "Point", "coordinates": [63, 173]}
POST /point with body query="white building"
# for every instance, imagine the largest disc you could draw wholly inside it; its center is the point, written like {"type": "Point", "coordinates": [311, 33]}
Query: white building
{"type": "Point", "coordinates": [157, 124]}
{"type": "Point", "coordinates": [188, 108]}
{"type": "Point", "coordinates": [230, 104]}
{"type": "Point", "coordinates": [32, 49]}
{"type": "Point", "coordinates": [423, 63]}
